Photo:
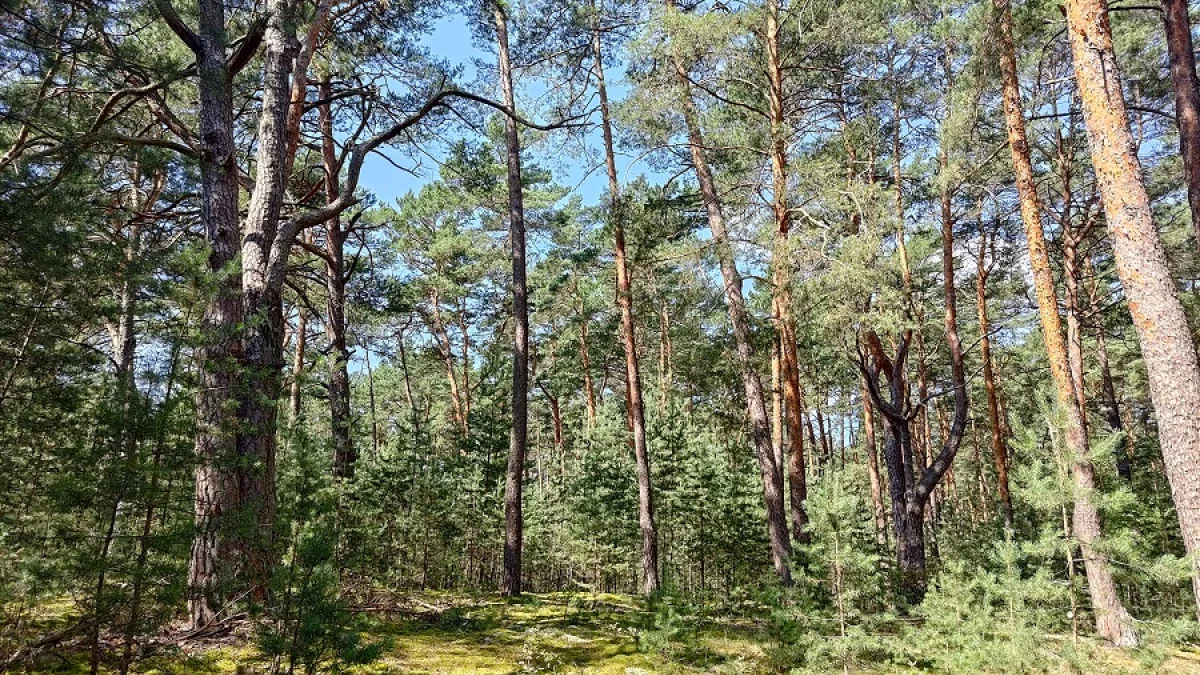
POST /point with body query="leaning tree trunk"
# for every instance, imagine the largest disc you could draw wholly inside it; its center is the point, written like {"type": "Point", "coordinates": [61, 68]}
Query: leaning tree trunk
{"type": "Point", "coordinates": [633, 378]}
{"type": "Point", "coordinates": [520, 347]}
{"type": "Point", "coordinates": [1113, 623]}
{"type": "Point", "coordinates": [760, 427]}
{"type": "Point", "coordinates": [1182, 59]}
{"type": "Point", "coordinates": [1162, 328]}
{"type": "Point", "coordinates": [344, 455]}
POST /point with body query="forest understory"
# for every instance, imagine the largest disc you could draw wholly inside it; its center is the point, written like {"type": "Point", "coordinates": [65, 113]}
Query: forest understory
{"type": "Point", "coordinates": [426, 633]}
{"type": "Point", "coordinates": [613, 336]}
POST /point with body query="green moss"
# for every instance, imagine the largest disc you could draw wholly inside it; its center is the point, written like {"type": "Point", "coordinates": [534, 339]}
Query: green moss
{"type": "Point", "coordinates": [558, 633]}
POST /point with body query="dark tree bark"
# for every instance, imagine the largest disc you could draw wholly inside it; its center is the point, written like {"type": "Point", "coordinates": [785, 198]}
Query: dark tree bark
{"type": "Point", "coordinates": [341, 424]}
{"type": "Point", "coordinates": [520, 348]}
{"type": "Point", "coordinates": [1182, 59]}
{"type": "Point", "coordinates": [911, 492]}
{"type": "Point", "coordinates": [1122, 453]}
{"type": "Point", "coordinates": [633, 377]}
{"type": "Point", "coordinates": [876, 481]}
{"type": "Point", "coordinates": [760, 426]}
{"type": "Point", "coordinates": [1113, 623]}
{"type": "Point", "coordinates": [216, 499]}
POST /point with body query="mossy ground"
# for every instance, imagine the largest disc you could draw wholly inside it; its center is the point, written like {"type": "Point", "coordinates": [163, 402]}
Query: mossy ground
{"type": "Point", "coordinates": [436, 634]}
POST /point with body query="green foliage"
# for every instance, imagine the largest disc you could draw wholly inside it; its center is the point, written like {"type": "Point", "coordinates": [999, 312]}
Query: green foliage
{"type": "Point", "coordinates": [309, 626]}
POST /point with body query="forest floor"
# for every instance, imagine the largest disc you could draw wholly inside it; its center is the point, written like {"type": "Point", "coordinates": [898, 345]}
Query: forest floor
{"type": "Point", "coordinates": [442, 634]}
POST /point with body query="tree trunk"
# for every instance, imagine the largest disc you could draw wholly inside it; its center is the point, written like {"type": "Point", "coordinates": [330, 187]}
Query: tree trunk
{"type": "Point", "coordinates": [585, 357]}
{"type": "Point", "coordinates": [999, 449]}
{"type": "Point", "coordinates": [760, 427]}
{"type": "Point", "coordinates": [782, 290]}
{"type": "Point", "coordinates": [1112, 408]}
{"type": "Point", "coordinates": [520, 347]}
{"type": "Point", "coordinates": [877, 507]}
{"type": "Point", "coordinates": [211, 565]}
{"type": "Point", "coordinates": [637, 411]}
{"type": "Point", "coordinates": [1182, 59]}
{"type": "Point", "coordinates": [447, 352]}
{"type": "Point", "coordinates": [340, 420]}
{"type": "Point", "coordinates": [1113, 623]}
{"type": "Point", "coordinates": [1170, 356]}
{"type": "Point", "coordinates": [301, 345]}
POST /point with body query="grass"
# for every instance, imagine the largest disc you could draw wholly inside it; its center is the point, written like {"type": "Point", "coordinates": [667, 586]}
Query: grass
{"type": "Point", "coordinates": [435, 634]}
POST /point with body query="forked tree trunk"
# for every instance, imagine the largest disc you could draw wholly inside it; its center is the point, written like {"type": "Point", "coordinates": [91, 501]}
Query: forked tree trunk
{"type": "Point", "coordinates": [262, 311]}
{"type": "Point", "coordinates": [760, 426]}
{"type": "Point", "coordinates": [519, 435]}
{"type": "Point", "coordinates": [637, 410]}
{"type": "Point", "coordinates": [1162, 328]}
{"type": "Point", "coordinates": [1113, 623]}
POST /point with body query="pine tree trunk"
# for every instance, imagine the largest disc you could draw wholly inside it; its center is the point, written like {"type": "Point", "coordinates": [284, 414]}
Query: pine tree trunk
{"type": "Point", "coordinates": [637, 411]}
{"type": "Point", "coordinates": [211, 565]}
{"type": "Point", "coordinates": [1182, 59]}
{"type": "Point", "coordinates": [1113, 623]}
{"type": "Point", "coordinates": [781, 265]}
{"type": "Point", "coordinates": [300, 347]}
{"type": "Point", "coordinates": [518, 438]}
{"type": "Point", "coordinates": [760, 426]}
{"type": "Point", "coordinates": [447, 352]}
{"type": "Point", "coordinates": [1112, 408]}
{"type": "Point", "coordinates": [877, 507]}
{"type": "Point", "coordinates": [585, 358]}
{"type": "Point", "coordinates": [1162, 328]}
{"type": "Point", "coordinates": [340, 420]}
{"type": "Point", "coordinates": [999, 449]}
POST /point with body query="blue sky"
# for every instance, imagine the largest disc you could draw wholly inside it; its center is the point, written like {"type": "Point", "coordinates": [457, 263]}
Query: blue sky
{"type": "Point", "coordinates": [451, 39]}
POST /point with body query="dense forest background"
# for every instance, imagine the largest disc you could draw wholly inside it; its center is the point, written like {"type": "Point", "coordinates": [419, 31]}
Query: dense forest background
{"type": "Point", "coordinates": [864, 329]}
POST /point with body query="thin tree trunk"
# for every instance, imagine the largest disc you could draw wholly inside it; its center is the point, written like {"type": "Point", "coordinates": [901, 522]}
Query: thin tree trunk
{"type": "Point", "coordinates": [999, 449]}
{"type": "Point", "coordinates": [344, 454]}
{"type": "Point", "coordinates": [1112, 408]}
{"type": "Point", "coordinates": [782, 267]}
{"type": "Point", "coordinates": [466, 367]}
{"type": "Point", "coordinates": [776, 398]}
{"type": "Point", "coordinates": [371, 400]}
{"type": "Point", "coordinates": [877, 507]}
{"type": "Point", "coordinates": [760, 427]}
{"type": "Point", "coordinates": [298, 365]}
{"type": "Point", "coordinates": [637, 411]}
{"type": "Point", "coordinates": [1113, 623]}
{"type": "Point", "coordinates": [589, 388]}
{"type": "Point", "coordinates": [447, 352]}
{"type": "Point", "coordinates": [513, 523]}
